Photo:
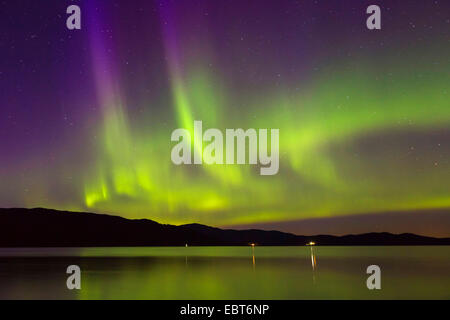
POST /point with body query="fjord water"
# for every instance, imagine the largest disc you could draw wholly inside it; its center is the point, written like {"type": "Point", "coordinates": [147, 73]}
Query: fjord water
{"type": "Point", "coordinates": [226, 273]}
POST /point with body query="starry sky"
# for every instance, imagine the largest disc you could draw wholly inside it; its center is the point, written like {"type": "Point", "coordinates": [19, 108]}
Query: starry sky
{"type": "Point", "coordinates": [87, 115]}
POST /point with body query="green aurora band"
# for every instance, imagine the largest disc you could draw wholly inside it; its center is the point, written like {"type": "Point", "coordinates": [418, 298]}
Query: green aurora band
{"type": "Point", "coordinates": [350, 137]}
{"type": "Point", "coordinates": [319, 176]}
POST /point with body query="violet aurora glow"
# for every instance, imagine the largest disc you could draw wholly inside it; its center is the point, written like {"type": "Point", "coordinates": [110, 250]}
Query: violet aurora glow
{"type": "Point", "coordinates": [87, 115]}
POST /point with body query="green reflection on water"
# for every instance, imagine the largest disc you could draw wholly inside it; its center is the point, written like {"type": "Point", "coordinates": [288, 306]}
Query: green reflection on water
{"type": "Point", "coordinates": [228, 273]}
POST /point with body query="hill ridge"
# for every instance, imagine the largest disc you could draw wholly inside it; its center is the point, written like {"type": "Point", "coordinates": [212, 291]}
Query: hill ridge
{"type": "Point", "coordinates": [41, 227]}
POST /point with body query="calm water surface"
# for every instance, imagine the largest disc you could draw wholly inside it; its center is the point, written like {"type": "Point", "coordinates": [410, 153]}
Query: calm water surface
{"type": "Point", "coordinates": [226, 273]}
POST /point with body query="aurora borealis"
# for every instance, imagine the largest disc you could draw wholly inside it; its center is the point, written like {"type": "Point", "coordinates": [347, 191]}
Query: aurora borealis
{"type": "Point", "coordinates": [87, 115]}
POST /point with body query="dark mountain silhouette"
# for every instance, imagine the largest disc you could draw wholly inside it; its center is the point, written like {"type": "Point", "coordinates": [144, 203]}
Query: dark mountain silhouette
{"type": "Point", "coordinates": [51, 228]}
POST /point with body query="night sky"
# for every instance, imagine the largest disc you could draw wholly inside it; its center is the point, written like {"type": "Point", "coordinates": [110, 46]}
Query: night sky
{"type": "Point", "coordinates": [364, 116]}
